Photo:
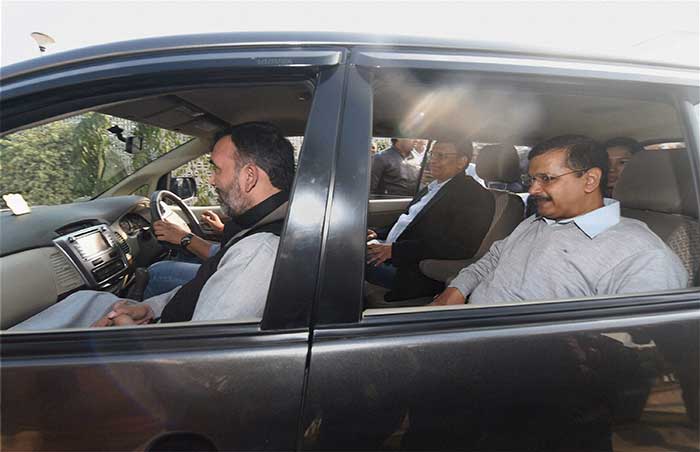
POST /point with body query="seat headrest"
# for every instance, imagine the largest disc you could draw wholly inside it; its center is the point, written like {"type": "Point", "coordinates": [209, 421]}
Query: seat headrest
{"type": "Point", "coordinates": [498, 163]}
{"type": "Point", "coordinates": [660, 181]}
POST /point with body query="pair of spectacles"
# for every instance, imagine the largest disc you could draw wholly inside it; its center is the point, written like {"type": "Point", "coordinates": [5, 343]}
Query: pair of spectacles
{"type": "Point", "coordinates": [442, 156]}
{"type": "Point", "coordinates": [546, 179]}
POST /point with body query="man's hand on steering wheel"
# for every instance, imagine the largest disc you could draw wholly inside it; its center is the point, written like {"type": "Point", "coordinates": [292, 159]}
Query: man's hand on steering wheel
{"type": "Point", "coordinates": [160, 211]}
{"type": "Point", "coordinates": [169, 232]}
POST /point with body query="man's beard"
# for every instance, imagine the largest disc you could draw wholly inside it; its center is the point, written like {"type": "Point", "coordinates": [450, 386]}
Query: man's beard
{"type": "Point", "coordinates": [231, 200]}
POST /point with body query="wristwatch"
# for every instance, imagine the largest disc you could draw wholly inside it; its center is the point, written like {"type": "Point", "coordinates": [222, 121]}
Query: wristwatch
{"type": "Point", "coordinates": [186, 240]}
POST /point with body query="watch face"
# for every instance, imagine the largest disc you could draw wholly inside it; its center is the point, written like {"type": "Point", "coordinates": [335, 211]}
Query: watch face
{"type": "Point", "coordinates": [186, 240]}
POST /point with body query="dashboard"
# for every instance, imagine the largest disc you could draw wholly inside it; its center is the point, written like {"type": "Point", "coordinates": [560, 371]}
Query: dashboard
{"type": "Point", "coordinates": [132, 223]}
{"type": "Point", "coordinates": [55, 250]}
{"type": "Point", "coordinates": [97, 255]}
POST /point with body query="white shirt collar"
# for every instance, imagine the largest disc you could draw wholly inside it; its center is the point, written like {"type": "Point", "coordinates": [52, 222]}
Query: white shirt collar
{"type": "Point", "coordinates": [435, 185]}
{"type": "Point", "coordinates": [596, 221]}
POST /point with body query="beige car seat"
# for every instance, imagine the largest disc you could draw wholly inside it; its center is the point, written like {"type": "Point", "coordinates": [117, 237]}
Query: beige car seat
{"type": "Point", "coordinates": [498, 165]}
{"type": "Point", "coordinates": [656, 187]}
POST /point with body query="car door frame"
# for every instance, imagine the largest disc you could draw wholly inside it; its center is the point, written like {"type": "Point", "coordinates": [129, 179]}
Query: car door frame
{"type": "Point", "coordinates": [200, 366]}
{"type": "Point", "coordinates": [348, 349]}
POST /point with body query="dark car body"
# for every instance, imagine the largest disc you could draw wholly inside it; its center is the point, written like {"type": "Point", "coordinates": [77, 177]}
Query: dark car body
{"type": "Point", "coordinates": [318, 373]}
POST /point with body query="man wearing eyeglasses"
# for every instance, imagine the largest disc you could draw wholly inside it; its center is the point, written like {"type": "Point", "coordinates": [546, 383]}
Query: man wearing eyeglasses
{"type": "Point", "coordinates": [577, 245]}
{"type": "Point", "coordinates": [448, 219]}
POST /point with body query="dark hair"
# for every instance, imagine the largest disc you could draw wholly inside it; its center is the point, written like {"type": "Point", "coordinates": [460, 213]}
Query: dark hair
{"type": "Point", "coordinates": [394, 140]}
{"type": "Point", "coordinates": [630, 144]}
{"type": "Point", "coordinates": [582, 153]}
{"type": "Point", "coordinates": [465, 148]}
{"type": "Point", "coordinates": [264, 145]}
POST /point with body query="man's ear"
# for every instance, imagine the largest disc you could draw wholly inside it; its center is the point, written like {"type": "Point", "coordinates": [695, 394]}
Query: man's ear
{"type": "Point", "coordinates": [463, 162]}
{"type": "Point", "coordinates": [250, 177]}
{"type": "Point", "coordinates": [592, 179]}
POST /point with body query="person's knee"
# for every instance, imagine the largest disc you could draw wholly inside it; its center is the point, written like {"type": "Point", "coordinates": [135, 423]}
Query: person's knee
{"type": "Point", "coordinates": [160, 268]}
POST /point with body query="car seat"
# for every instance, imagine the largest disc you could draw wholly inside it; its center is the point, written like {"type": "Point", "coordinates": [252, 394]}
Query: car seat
{"type": "Point", "coordinates": [656, 187]}
{"type": "Point", "coordinates": [499, 166]}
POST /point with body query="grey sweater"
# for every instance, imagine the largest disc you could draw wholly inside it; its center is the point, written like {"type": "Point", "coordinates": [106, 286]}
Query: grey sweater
{"type": "Point", "coordinates": [544, 260]}
{"type": "Point", "coordinates": [236, 292]}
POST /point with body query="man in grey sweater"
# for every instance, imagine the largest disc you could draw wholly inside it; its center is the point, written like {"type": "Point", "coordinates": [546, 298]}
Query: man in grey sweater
{"type": "Point", "coordinates": [576, 246]}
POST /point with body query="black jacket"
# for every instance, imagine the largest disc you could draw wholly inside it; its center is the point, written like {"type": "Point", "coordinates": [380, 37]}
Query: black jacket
{"type": "Point", "coordinates": [451, 226]}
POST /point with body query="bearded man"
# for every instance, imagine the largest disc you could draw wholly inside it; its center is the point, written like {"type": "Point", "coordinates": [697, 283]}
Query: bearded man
{"type": "Point", "coordinates": [253, 173]}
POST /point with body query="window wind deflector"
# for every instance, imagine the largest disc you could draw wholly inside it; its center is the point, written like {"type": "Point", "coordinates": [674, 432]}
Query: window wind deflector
{"type": "Point", "coordinates": [526, 64]}
{"type": "Point", "coordinates": [43, 78]}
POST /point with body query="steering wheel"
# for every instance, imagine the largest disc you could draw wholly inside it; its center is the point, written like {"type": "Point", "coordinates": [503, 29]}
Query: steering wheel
{"type": "Point", "coordinates": [161, 211]}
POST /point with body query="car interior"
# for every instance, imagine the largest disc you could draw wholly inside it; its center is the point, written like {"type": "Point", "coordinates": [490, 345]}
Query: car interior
{"type": "Point", "coordinates": [657, 186]}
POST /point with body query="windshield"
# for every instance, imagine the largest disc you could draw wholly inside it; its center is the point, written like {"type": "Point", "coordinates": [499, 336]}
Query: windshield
{"type": "Point", "coordinates": [77, 158]}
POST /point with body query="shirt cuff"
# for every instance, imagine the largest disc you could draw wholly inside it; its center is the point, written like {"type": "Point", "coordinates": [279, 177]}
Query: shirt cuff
{"type": "Point", "coordinates": [465, 283]}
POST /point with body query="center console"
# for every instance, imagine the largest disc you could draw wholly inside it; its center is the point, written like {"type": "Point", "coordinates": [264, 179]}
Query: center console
{"type": "Point", "coordinates": [96, 254]}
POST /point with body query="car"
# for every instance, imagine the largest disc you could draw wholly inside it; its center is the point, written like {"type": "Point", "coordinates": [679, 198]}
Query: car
{"type": "Point", "coordinates": [89, 135]}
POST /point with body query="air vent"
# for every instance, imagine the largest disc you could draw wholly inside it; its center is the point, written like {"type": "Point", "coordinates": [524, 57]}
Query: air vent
{"type": "Point", "coordinates": [123, 244]}
{"type": "Point", "coordinates": [67, 277]}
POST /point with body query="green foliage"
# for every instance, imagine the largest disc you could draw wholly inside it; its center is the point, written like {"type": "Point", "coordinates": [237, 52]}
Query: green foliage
{"type": "Point", "coordinates": [382, 143]}
{"type": "Point", "coordinates": [200, 169]}
{"type": "Point", "coordinates": [156, 142]}
{"type": "Point", "coordinates": [90, 154]}
{"type": "Point", "coordinates": [37, 163]}
{"type": "Point", "coordinates": [76, 158]}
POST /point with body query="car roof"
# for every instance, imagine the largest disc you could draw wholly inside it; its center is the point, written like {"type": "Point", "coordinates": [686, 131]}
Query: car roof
{"type": "Point", "coordinates": [250, 39]}
{"type": "Point", "coordinates": [199, 112]}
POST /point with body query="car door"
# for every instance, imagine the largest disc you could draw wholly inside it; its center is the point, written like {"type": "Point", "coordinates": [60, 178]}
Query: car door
{"type": "Point", "coordinates": [609, 373]}
{"type": "Point", "coordinates": [207, 386]}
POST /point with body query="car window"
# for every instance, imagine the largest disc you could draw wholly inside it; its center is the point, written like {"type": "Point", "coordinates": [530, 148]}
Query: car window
{"type": "Point", "coordinates": [112, 244]}
{"type": "Point", "coordinates": [423, 252]}
{"type": "Point", "coordinates": [77, 158]}
{"type": "Point", "coordinates": [397, 167]}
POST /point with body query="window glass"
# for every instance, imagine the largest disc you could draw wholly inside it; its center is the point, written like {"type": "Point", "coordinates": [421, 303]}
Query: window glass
{"type": "Point", "coordinates": [484, 132]}
{"type": "Point", "coordinates": [142, 190]}
{"type": "Point", "coordinates": [665, 146]}
{"type": "Point", "coordinates": [77, 158]}
{"type": "Point", "coordinates": [396, 166]}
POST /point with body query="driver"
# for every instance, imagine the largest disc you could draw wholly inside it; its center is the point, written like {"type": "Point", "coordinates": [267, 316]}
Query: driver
{"type": "Point", "coordinates": [253, 173]}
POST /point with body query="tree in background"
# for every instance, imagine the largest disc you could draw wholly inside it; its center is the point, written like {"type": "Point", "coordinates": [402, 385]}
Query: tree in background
{"type": "Point", "coordinates": [156, 142]}
{"type": "Point", "coordinates": [200, 169]}
{"type": "Point", "coordinates": [76, 158]}
{"type": "Point", "coordinates": [89, 158]}
{"type": "Point", "coordinates": [38, 163]}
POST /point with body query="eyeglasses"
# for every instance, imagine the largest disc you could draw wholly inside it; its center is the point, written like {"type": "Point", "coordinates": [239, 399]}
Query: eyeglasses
{"type": "Point", "coordinates": [441, 155]}
{"type": "Point", "coordinates": [546, 179]}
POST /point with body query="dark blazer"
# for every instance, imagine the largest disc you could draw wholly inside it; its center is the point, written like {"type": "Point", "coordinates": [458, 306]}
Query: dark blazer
{"type": "Point", "coordinates": [451, 226]}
